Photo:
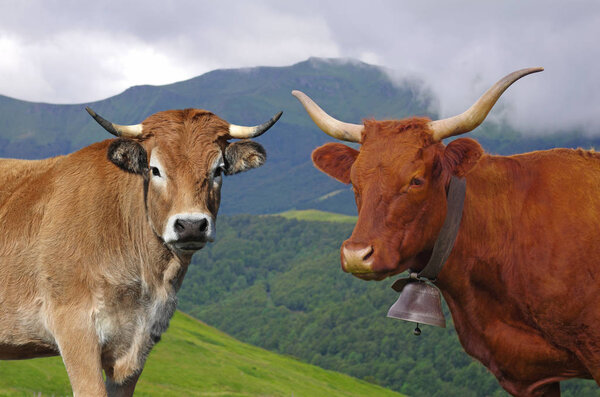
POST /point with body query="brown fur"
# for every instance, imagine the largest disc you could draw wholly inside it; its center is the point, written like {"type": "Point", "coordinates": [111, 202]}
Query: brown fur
{"type": "Point", "coordinates": [84, 271]}
{"type": "Point", "coordinates": [522, 280]}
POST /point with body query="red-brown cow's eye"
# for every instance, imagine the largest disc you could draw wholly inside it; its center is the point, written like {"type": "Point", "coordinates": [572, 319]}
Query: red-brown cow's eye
{"type": "Point", "coordinates": [417, 182]}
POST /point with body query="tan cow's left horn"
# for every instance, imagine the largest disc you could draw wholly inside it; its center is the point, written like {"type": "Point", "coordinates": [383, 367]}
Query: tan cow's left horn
{"type": "Point", "coordinates": [329, 125]}
{"type": "Point", "coordinates": [126, 131]}
{"type": "Point", "coordinates": [241, 132]}
{"type": "Point", "coordinates": [475, 115]}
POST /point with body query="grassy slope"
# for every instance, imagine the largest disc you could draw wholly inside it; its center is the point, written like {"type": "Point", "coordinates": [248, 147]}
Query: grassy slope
{"type": "Point", "coordinates": [194, 359]}
{"type": "Point", "coordinates": [316, 215]}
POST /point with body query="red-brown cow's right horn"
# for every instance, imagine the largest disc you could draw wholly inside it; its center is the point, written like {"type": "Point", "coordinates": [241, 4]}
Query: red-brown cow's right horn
{"type": "Point", "coordinates": [329, 125]}
{"type": "Point", "coordinates": [475, 115]}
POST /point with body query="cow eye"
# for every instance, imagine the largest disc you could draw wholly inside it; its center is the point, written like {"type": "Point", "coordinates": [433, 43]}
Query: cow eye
{"type": "Point", "coordinates": [155, 171]}
{"type": "Point", "coordinates": [416, 181]}
{"type": "Point", "coordinates": [218, 175]}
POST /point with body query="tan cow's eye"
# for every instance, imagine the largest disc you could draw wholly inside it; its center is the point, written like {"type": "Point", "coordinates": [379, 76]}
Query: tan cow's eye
{"type": "Point", "coordinates": [218, 175]}
{"type": "Point", "coordinates": [155, 171]}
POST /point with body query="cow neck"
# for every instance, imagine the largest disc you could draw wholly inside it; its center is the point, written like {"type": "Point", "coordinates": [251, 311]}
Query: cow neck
{"type": "Point", "coordinates": [444, 243]}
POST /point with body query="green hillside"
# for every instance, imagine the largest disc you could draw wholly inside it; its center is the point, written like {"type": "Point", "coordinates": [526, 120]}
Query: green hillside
{"type": "Point", "coordinates": [194, 359]}
{"type": "Point", "coordinates": [318, 216]}
{"type": "Point", "coordinates": [277, 283]}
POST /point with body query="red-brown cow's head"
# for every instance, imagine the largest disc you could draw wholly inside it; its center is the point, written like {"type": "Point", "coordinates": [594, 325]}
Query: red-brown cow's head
{"type": "Point", "coordinates": [182, 155]}
{"type": "Point", "coordinates": [399, 177]}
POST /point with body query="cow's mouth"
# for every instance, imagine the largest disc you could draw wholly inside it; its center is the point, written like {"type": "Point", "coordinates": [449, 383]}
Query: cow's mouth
{"type": "Point", "coordinates": [189, 247]}
{"type": "Point", "coordinates": [377, 276]}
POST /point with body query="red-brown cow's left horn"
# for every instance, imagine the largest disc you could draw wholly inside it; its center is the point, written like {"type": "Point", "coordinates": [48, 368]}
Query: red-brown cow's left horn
{"type": "Point", "coordinates": [475, 115]}
{"type": "Point", "coordinates": [126, 131]}
{"type": "Point", "coordinates": [241, 132]}
{"type": "Point", "coordinates": [329, 125]}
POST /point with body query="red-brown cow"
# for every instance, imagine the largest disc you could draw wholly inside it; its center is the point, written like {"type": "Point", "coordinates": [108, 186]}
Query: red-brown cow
{"type": "Point", "coordinates": [523, 279]}
{"type": "Point", "coordinates": [94, 245]}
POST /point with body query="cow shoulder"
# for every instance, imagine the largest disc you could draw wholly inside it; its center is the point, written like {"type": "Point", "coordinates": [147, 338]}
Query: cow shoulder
{"type": "Point", "coordinates": [335, 159]}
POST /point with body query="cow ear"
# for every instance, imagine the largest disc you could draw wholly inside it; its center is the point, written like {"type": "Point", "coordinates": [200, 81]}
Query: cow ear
{"type": "Point", "coordinates": [335, 159]}
{"type": "Point", "coordinates": [243, 155]}
{"type": "Point", "coordinates": [129, 156]}
{"type": "Point", "coordinates": [461, 155]}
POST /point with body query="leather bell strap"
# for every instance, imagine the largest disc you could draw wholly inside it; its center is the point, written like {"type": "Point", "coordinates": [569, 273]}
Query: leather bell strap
{"type": "Point", "coordinates": [447, 237]}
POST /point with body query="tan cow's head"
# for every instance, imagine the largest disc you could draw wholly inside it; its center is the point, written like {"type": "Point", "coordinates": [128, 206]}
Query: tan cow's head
{"type": "Point", "coordinates": [399, 177]}
{"type": "Point", "coordinates": [182, 156]}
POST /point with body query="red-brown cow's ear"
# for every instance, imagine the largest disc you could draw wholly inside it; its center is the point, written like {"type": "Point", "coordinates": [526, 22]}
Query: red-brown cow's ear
{"type": "Point", "coordinates": [335, 159]}
{"type": "Point", "coordinates": [461, 156]}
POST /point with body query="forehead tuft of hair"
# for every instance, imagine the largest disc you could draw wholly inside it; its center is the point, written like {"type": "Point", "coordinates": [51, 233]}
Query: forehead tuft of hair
{"type": "Point", "coordinates": [416, 128]}
{"type": "Point", "coordinates": [196, 123]}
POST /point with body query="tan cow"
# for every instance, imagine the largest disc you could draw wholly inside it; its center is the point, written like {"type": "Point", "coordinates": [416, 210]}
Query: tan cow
{"type": "Point", "coordinates": [95, 244]}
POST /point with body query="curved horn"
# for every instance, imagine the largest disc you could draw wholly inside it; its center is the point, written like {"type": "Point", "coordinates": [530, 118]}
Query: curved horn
{"type": "Point", "coordinates": [240, 131]}
{"type": "Point", "coordinates": [126, 131]}
{"type": "Point", "coordinates": [329, 125]}
{"type": "Point", "coordinates": [475, 115]}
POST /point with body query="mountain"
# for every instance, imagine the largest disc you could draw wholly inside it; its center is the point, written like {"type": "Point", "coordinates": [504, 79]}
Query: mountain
{"type": "Point", "coordinates": [194, 359]}
{"type": "Point", "coordinates": [349, 90]}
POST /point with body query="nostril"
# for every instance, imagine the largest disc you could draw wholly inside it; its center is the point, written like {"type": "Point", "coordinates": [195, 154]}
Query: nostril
{"type": "Point", "coordinates": [203, 225]}
{"type": "Point", "coordinates": [179, 226]}
{"type": "Point", "coordinates": [368, 254]}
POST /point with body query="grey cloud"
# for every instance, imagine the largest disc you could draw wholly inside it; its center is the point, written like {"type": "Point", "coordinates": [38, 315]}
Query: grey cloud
{"type": "Point", "coordinates": [70, 51]}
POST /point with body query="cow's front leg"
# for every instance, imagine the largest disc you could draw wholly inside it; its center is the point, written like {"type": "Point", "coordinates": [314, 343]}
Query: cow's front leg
{"type": "Point", "coordinates": [124, 389]}
{"type": "Point", "coordinates": [80, 349]}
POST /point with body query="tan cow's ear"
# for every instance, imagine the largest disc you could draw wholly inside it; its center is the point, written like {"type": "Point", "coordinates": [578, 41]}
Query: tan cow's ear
{"type": "Point", "coordinates": [128, 155]}
{"type": "Point", "coordinates": [335, 159]}
{"type": "Point", "coordinates": [461, 155]}
{"type": "Point", "coordinates": [243, 155]}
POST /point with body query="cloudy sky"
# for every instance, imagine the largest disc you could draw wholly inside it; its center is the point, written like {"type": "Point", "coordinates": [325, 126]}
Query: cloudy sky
{"type": "Point", "coordinates": [63, 51]}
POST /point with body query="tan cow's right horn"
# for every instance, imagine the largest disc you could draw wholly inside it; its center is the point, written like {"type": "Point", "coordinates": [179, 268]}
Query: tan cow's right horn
{"type": "Point", "coordinates": [126, 131]}
{"type": "Point", "coordinates": [475, 115]}
{"type": "Point", "coordinates": [329, 125]}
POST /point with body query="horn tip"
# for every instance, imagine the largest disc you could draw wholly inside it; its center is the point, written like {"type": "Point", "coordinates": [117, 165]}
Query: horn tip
{"type": "Point", "coordinates": [297, 93]}
{"type": "Point", "coordinates": [277, 116]}
{"type": "Point", "coordinates": [90, 111]}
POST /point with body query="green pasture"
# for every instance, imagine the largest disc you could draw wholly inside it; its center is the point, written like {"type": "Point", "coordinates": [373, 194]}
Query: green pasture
{"type": "Point", "coordinates": [320, 216]}
{"type": "Point", "coordinates": [194, 359]}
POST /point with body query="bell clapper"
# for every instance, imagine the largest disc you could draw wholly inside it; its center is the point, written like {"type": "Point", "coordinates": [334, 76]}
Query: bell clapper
{"type": "Point", "coordinates": [417, 330]}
